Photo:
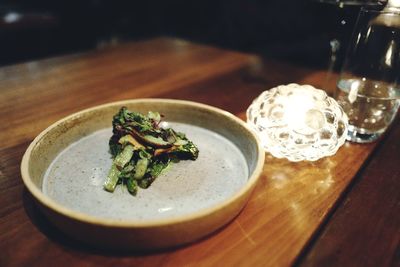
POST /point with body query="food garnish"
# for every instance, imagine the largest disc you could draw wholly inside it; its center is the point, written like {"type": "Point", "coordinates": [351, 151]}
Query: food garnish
{"type": "Point", "coordinates": [142, 149]}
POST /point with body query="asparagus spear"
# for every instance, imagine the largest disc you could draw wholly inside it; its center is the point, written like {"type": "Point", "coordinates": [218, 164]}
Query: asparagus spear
{"type": "Point", "coordinates": [140, 168]}
{"type": "Point", "coordinates": [119, 162]}
{"type": "Point", "coordinates": [131, 184]}
{"type": "Point", "coordinates": [112, 178]}
{"type": "Point", "coordinates": [124, 157]}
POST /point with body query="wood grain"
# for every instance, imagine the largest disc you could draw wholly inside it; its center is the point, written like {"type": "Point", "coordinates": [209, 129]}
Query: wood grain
{"type": "Point", "coordinates": [364, 231]}
{"type": "Point", "coordinates": [288, 206]}
{"type": "Point", "coordinates": [45, 91]}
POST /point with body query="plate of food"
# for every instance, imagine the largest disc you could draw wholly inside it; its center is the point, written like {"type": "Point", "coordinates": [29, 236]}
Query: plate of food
{"type": "Point", "coordinates": [143, 173]}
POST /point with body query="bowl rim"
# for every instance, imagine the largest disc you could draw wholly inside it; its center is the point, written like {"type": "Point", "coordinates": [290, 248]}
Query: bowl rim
{"type": "Point", "coordinates": [107, 222]}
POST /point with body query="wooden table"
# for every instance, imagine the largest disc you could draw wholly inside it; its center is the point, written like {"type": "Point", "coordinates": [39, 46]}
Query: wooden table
{"type": "Point", "coordinates": [339, 211]}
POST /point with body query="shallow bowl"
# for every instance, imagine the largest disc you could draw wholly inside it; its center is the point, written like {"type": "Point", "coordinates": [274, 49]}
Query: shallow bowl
{"type": "Point", "coordinates": [65, 165]}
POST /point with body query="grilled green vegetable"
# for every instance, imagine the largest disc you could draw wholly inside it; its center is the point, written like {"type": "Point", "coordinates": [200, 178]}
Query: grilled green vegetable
{"type": "Point", "coordinates": [142, 150]}
{"type": "Point", "coordinates": [132, 186]}
{"type": "Point", "coordinates": [112, 179]}
{"type": "Point", "coordinates": [140, 168]}
{"type": "Point", "coordinates": [124, 157]}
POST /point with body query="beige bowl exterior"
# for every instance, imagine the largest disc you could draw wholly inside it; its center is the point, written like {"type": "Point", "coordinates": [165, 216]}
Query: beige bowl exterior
{"type": "Point", "coordinates": [131, 234]}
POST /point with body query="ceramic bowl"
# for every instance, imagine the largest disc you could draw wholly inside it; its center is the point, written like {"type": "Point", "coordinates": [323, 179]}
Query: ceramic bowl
{"type": "Point", "coordinates": [65, 166]}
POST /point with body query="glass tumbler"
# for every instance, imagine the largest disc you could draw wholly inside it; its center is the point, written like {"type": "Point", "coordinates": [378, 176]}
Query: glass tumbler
{"type": "Point", "coordinates": [368, 86]}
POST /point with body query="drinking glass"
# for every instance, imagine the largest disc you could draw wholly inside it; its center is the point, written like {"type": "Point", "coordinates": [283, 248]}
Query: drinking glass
{"type": "Point", "coordinates": [368, 86]}
{"type": "Point", "coordinates": [345, 15]}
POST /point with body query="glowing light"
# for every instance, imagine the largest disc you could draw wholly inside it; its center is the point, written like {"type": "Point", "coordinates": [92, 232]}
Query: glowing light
{"type": "Point", "coordinates": [11, 17]}
{"type": "Point", "coordinates": [389, 54]}
{"type": "Point", "coordinates": [165, 209]}
{"type": "Point", "coordinates": [298, 122]}
{"type": "Point", "coordinates": [353, 91]}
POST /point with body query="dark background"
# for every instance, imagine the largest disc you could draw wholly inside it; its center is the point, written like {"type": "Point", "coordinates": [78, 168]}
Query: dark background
{"type": "Point", "coordinates": [295, 30]}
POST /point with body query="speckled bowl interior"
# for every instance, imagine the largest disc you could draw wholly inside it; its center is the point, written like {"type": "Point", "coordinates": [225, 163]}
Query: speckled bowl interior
{"type": "Point", "coordinates": [208, 193]}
